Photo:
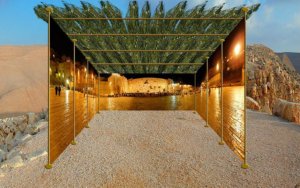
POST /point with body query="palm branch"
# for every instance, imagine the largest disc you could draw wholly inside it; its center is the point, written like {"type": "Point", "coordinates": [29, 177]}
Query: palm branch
{"type": "Point", "coordinates": [110, 26]}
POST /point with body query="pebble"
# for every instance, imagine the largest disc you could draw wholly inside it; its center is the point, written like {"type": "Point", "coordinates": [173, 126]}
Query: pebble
{"type": "Point", "coordinates": [35, 155]}
{"type": "Point", "coordinates": [15, 162]}
{"type": "Point", "coordinates": [122, 150]}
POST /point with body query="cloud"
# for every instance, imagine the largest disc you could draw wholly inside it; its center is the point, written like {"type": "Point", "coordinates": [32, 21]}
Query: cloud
{"type": "Point", "coordinates": [281, 2]}
{"type": "Point", "coordinates": [211, 3]}
{"type": "Point", "coordinates": [268, 12]}
{"type": "Point", "coordinates": [295, 22]}
{"type": "Point", "coordinates": [216, 2]}
{"type": "Point", "coordinates": [276, 25]}
{"type": "Point", "coordinates": [251, 2]}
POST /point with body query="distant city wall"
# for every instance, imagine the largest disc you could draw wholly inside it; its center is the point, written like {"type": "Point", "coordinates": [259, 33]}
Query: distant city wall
{"type": "Point", "coordinates": [118, 84]}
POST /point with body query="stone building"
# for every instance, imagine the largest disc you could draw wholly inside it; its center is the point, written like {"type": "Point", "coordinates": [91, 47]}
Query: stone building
{"type": "Point", "coordinates": [62, 71]}
{"type": "Point", "coordinates": [148, 85]}
{"type": "Point", "coordinates": [117, 84]}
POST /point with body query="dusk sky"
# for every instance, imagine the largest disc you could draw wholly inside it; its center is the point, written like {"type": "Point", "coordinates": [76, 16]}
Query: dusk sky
{"type": "Point", "coordinates": [276, 24]}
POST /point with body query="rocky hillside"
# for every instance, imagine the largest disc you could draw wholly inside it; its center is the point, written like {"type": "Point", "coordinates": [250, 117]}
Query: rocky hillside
{"type": "Point", "coordinates": [295, 59]}
{"type": "Point", "coordinates": [15, 133]}
{"type": "Point", "coordinates": [286, 60]}
{"type": "Point", "coordinates": [269, 79]}
{"type": "Point", "coordinates": [23, 79]}
{"type": "Point", "coordinates": [291, 58]}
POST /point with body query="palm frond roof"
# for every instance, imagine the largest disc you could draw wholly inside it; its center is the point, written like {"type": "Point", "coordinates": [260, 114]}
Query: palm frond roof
{"type": "Point", "coordinates": [94, 26]}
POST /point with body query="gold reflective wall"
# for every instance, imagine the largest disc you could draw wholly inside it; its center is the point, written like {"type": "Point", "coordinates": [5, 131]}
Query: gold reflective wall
{"type": "Point", "coordinates": [233, 90]}
{"type": "Point", "coordinates": [63, 79]}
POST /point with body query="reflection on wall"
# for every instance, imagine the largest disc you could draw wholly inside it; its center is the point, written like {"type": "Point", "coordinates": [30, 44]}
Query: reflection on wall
{"type": "Point", "coordinates": [234, 57]}
{"type": "Point", "coordinates": [117, 84]}
{"type": "Point", "coordinates": [62, 71]}
{"type": "Point", "coordinates": [233, 90]}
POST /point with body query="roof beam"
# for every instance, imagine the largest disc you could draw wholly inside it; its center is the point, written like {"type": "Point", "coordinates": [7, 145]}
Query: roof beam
{"type": "Point", "coordinates": [145, 35]}
{"type": "Point", "coordinates": [150, 73]}
{"type": "Point", "coordinates": [147, 50]}
{"type": "Point", "coordinates": [149, 64]}
{"type": "Point", "coordinates": [203, 18]}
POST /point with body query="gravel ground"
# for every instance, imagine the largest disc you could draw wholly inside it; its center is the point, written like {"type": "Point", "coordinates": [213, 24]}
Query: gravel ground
{"type": "Point", "coordinates": [165, 149]}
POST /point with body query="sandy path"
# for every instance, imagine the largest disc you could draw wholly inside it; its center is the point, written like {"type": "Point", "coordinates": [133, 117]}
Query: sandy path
{"type": "Point", "coordinates": [166, 149]}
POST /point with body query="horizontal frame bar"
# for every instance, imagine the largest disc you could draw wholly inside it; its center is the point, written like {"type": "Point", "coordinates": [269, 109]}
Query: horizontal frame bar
{"type": "Point", "coordinates": [148, 73]}
{"type": "Point", "coordinates": [150, 64]}
{"type": "Point", "coordinates": [204, 18]}
{"type": "Point", "coordinates": [147, 50]}
{"type": "Point", "coordinates": [143, 34]}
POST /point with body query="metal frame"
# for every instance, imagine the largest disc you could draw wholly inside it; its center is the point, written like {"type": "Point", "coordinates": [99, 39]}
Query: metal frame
{"type": "Point", "coordinates": [50, 10]}
{"type": "Point", "coordinates": [245, 164]}
{"type": "Point", "coordinates": [144, 35]}
{"type": "Point", "coordinates": [99, 79]}
{"type": "Point", "coordinates": [147, 50]}
{"type": "Point", "coordinates": [150, 64]}
{"type": "Point", "coordinates": [206, 125]}
{"type": "Point", "coordinates": [95, 96]}
{"type": "Point", "coordinates": [195, 89]}
{"type": "Point", "coordinates": [87, 91]}
{"type": "Point", "coordinates": [203, 18]}
{"type": "Point", "coordinates": [74, 87]}
{"type": "Point", "coordinates": [152, 73]}
{"type": "Point", "coordinates": [222, 110]}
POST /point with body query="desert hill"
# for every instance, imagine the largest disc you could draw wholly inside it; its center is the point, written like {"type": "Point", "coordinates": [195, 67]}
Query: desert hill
{"type": "Point", "coordinates": [291, 59]}
{"type": "Point", "coordinates": [23, 79]}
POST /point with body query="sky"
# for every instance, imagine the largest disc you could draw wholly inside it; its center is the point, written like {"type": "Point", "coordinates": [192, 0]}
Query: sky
{"type": "Point", "coordinates": [276, 24]}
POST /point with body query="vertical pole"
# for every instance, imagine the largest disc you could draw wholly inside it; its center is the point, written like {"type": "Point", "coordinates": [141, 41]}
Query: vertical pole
{"type": "Point", "coordinates": [87, 93]}
{"type": "Point", "coordinates": [222, 120]}
{"type": "Point", "coordinates": [206, 125]}
{"type": "Point", "coordinates": [98, 92]}
{"type": "Point", "coordinates": [195, 89]}
{"type": "Point", "coordinates": [95, 94]}
{"type": "Point", "coordinates": [245, 164]}
{"type": "Point", "coordinates": [49, 165]}
{"type": "Point", "coordinates": [74, 85]}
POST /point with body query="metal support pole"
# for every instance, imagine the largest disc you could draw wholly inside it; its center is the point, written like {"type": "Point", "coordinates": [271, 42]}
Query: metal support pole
{"type": "Point", "coordinates": [206, 125]}
{"type": "Point", "coordinates": [95, 94]}
{"type": "Point", "coordinates": [245, 164]}
{"type": "Point", "coordinates": [74, 85]}
{"type": "Point", "coordinates": [98, 92]}
{"type": "Point", "coordinates": [49, 165]}
{"type": "Point", "coordinates": [87, 93]}
{"type": "Point", "coordinates": [222, 120]}
{"type": "Point", "coordinates": [195, 89]}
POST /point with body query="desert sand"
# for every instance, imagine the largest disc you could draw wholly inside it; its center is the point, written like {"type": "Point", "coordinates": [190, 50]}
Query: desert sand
{"type": "Point", "coordinates": [23, 79]}
{"type": "Point", "coordinates": [164, 149]}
